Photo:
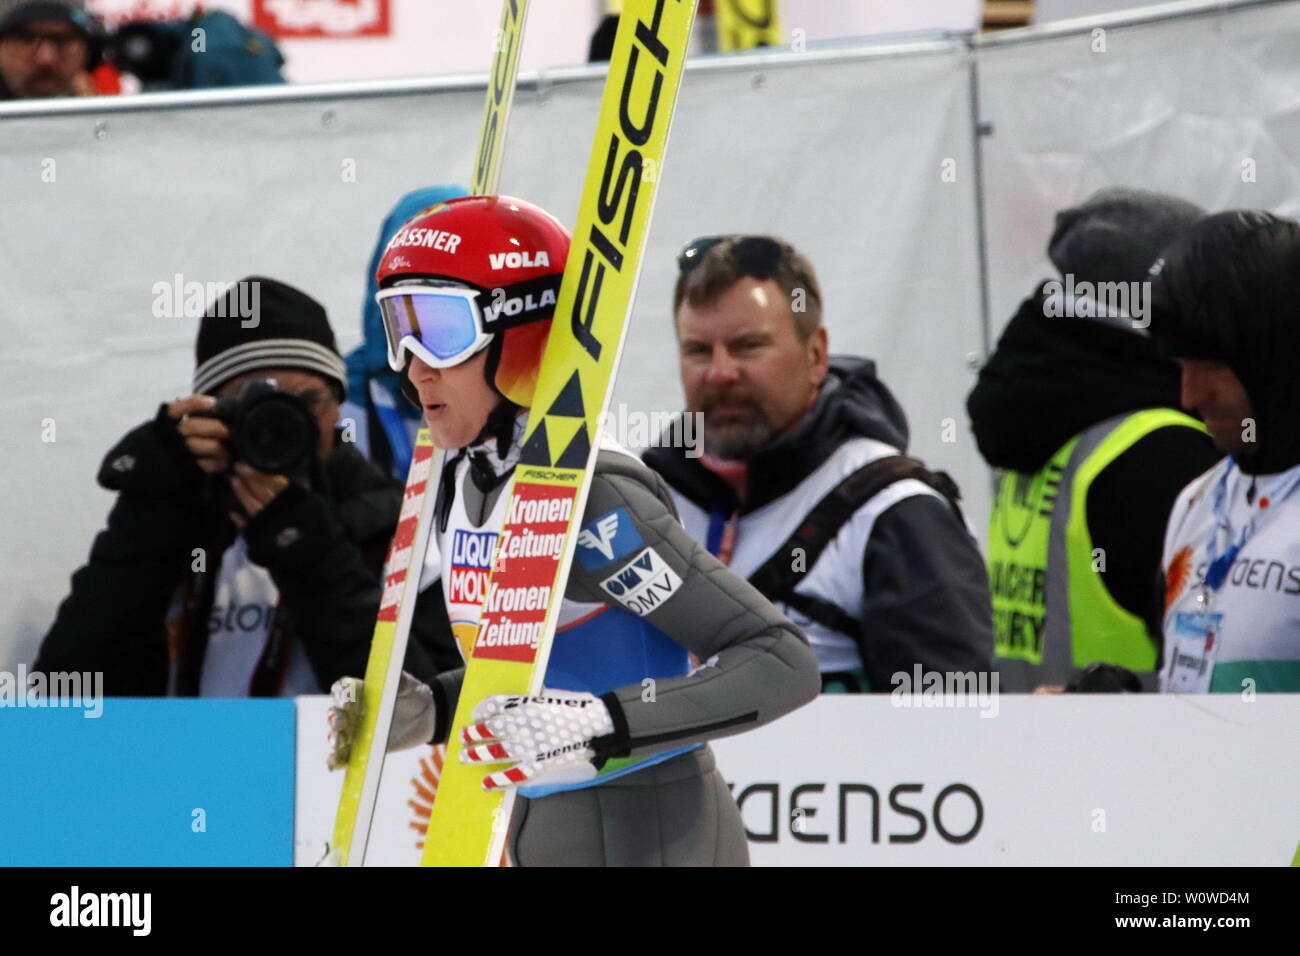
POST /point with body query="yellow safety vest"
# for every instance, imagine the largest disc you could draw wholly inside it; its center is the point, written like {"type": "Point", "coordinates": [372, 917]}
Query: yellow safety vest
{"type": "Point", "coordinates": [1052, 612]}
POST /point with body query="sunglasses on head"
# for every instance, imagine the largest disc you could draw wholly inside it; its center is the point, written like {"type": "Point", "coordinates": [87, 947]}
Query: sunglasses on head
{"type": "Point", "coordinates": [757, 256]}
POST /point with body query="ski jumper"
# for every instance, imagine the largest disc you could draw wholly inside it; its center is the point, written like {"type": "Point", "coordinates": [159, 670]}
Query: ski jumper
{"type": "Point", "coordinates": [642, 596]}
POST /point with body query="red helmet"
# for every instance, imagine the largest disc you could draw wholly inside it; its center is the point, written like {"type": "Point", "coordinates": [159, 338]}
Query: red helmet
{"type": "Point", "coordinates": [472, 273]}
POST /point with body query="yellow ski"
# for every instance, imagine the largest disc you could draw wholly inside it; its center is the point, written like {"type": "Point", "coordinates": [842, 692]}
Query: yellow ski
{"type": "Point", "coordinates": [549, 489]}
{"type": "Point", "coordinates": [507, 40]}
{"type": "Point", "coordinates": [387, 652]}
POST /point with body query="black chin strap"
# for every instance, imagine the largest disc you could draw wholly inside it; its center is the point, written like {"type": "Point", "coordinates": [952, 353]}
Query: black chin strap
{"type": "Point", "coordinates": [501, 426]}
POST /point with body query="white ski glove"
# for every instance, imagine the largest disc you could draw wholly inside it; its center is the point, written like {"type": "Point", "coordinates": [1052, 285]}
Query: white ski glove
{"type": "Point", "coordinates": [548, 738]}
{"type": "Point", "coordinates": [413, 717]}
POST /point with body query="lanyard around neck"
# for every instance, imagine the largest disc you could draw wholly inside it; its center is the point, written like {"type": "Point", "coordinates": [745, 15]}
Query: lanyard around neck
{"type": "Point", "coordinates": [1218, 565]}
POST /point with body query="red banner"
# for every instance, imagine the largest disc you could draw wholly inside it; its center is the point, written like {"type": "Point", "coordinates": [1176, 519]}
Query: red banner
{"type": "Point", "coordinates": [333, 19]}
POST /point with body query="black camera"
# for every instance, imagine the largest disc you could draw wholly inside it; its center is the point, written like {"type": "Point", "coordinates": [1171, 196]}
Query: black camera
{"type": "Point", "coordinates": [1100, 678]}
{"type": "Point", "coordinates": [148, 50]}
{"type": "Point", "coordinates": [270, 430]}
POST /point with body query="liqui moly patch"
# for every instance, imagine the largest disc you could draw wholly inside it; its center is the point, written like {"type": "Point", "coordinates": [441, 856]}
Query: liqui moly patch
{"type": "Point", "coordinates": [471, 560]}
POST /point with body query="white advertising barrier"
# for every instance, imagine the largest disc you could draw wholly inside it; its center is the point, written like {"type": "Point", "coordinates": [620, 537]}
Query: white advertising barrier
{"type": "Point", "coordinates": [1063, 780]}
{"type": "Point", "coordinates": [1194, 99]}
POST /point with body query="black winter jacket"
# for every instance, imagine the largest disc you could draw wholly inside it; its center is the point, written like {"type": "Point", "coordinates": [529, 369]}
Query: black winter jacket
{"type": "Point", "coordinates": [925, 590]}
{"type": "Point", "coordinates": [324, 549]}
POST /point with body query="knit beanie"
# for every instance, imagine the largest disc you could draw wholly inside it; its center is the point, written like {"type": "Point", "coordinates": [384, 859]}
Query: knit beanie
{"type": "Point", "coordinates": [1117, 233]}
{"type": "Point", "coordinates": [263, 323]}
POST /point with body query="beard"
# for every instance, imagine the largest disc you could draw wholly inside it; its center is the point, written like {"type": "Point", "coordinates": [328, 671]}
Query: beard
{"type": "Point", "coordinates": [47, 83]}
{"type": "Point", "coordinates": [735, 438]}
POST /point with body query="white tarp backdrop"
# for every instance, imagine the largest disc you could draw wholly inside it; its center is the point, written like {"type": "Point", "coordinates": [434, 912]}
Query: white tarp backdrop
{"type": "Point", "coordinates": [863, 156]}
{"type": "Point", "coordinates": [841, 152]}
{"type": "Point", "coordinates": [1205, 106]}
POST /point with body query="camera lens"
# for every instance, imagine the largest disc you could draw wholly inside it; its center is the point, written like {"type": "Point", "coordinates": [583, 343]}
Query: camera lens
{"type": "Point", "coordinates": [277, 434]}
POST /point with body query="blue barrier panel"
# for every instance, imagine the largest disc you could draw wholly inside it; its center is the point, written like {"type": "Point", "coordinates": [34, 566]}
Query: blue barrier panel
{"type": "Point", "coordinates": [148, 783]}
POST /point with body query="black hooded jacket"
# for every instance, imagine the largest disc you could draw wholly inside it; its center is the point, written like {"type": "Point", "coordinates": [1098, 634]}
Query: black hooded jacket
{"type": "Point", "coordinates": [925, 589]}
{"type": "Point", "coordinates": [1229, 291]}
{"type": "Point", "coordinates": [1051, 378]}
{"type": "Point", "coordinates": [323, 547]}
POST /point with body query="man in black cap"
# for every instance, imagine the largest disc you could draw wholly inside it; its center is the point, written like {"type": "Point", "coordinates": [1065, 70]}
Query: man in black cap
{"type": "Point", "coordinates": [216, 579]}
{"type": "Point", "coordinates": [44, 51]}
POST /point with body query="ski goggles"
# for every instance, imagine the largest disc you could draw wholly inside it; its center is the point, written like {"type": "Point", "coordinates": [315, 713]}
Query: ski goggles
{"type": "Point", "coordinates": [446, 324]}
{"type": "Point", "coordinates": [443, 325]}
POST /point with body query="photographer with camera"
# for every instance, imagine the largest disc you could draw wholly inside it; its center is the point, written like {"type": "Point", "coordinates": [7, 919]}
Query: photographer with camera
{"type": "Point", "coordinates": [244, 554]}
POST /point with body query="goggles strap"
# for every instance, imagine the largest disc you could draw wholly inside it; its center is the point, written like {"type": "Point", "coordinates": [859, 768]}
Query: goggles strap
{"type": "Point", "coordinates": [518, 304]}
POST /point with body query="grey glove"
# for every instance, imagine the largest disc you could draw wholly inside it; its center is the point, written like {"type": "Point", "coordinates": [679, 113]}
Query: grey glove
{"type": "Point", "coordinates": [413, 717]}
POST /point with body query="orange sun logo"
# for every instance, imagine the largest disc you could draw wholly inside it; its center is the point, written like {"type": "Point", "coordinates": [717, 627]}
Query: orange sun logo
{"type": "Point", "coordinates": [1180, 568]}
{"type": "Point", "coordinates": [426, 785]}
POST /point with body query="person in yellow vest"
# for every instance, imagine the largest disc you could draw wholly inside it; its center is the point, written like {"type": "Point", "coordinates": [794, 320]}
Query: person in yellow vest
{"type": "Point", "coordinates": [1082, 418]}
